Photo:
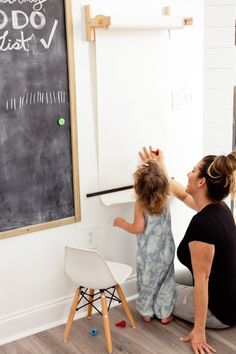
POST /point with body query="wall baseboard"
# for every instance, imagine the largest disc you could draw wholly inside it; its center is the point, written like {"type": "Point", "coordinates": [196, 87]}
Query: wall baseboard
{"type": "Point", "coordinates": [48, 315]}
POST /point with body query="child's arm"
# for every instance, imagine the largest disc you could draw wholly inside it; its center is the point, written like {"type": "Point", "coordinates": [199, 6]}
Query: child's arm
{"type": "Point", "coordinates": [138, 224]}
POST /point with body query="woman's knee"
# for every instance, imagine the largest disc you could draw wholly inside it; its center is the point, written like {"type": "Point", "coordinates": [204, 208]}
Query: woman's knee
{"type": "Point", "coordinates": [184, 304]}
{"type": "Point", "coordinates": [184, 277]}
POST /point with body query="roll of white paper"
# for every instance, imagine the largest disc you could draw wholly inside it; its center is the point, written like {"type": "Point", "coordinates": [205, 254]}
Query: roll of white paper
{"type": "Point", "coordinates": [145, 22]}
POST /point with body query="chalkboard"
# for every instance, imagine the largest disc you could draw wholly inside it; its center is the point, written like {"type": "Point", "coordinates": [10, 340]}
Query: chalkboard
{"type": "Point", "coordinates": [39, 185]}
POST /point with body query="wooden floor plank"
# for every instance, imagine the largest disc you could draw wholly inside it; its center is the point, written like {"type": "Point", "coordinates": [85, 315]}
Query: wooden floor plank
{"type": "Point", "coordinates": [147, 338]}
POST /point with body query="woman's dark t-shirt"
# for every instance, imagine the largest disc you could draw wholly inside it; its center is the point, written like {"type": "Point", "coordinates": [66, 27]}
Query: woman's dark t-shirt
{"type": "Point", "coordinates": [215, 225]}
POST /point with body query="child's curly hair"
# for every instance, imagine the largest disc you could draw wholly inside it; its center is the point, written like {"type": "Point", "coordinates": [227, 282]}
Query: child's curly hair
{"type": "Point", "coordinates": [151, 187]}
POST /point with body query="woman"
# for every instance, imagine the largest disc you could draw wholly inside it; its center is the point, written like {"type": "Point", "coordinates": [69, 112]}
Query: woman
{"type": "Point", "coordinates": [208, 248]}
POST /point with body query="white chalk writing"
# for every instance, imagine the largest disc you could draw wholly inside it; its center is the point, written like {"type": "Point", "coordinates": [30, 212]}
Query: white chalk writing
{"type": "Point", "coordinates": [21, 43]}
{"type": "Point", "coordinates": [47, 45]}
{"type": "Point", "coordinates": [16, 22]}
{"type": "Point", "coordinates": [30, 98]}
{"type": "Point", "coordinates": [37, 4]}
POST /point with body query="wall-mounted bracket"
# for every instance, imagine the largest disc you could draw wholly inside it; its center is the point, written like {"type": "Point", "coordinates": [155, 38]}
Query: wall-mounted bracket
{"type": "Point", "coordinates": [96, 22]}
{"type": "Point", "coordinates": [188, 21]}
{"type": "Point", "coordinates": [166, 11]}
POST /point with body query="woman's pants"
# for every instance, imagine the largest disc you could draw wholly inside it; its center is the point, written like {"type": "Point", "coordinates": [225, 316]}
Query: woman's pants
{"type": "Point", "coordinates": [184, 305]}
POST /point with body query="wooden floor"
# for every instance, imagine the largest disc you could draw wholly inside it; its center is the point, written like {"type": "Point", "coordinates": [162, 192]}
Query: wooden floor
{"type": "Point", "coordinates": [147, 338]}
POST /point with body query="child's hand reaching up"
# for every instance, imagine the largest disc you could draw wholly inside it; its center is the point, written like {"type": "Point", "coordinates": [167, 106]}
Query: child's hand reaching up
{"type": "Point", "coordinates": [119, 222]}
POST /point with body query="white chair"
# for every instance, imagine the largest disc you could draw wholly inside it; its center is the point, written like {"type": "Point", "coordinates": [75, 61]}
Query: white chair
{"type": "Point", "coordinates": [90, 271]}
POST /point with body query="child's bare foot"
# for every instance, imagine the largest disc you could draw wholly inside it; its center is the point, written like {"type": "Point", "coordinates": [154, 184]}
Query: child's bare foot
{"type": "Point", "coordinates": [167, 320]}
{"type": "Point", "coordinates": [147, 318]}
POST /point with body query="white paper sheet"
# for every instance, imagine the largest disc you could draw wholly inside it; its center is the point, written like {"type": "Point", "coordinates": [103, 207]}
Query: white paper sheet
{"type": "Point", "coordinates": [121, 197]}
{"type": "Point", "coordinates": [133, 99]}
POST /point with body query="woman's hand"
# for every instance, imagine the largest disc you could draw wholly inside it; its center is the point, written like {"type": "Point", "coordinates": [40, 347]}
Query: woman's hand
{"type": "Point", "coordinates": [145, 154]}
{"type": "Point", "coordinates": [150, 153]}
{"type": "Point", "coordinates": [157, 155]}
{"type": "Point", "coordinates": [198, 342]}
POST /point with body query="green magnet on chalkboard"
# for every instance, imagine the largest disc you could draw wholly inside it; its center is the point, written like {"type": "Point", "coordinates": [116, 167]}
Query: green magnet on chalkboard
{"type": "Point", "coordinates": [61, 121]}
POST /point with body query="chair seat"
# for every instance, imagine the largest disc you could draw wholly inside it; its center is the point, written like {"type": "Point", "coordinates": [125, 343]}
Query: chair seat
{"type": "Point", "coordinates": [119, 271]}
{"type": "Point", "coordinates": [90, 270]}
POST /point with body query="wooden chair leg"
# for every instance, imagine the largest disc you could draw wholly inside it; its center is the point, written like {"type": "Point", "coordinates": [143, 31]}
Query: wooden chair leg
{"type": "Point", "coordinates": [106, 322]}
{"type": "Point", "coordinates": [90, 307]}
{"type": "Point", "coordinates": [71, 314]}
{"type": "Point", "coordinates": [125, 306]}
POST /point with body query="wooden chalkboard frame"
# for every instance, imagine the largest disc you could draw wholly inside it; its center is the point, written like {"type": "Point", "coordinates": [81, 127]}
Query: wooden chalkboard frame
{"type": "Point", "coordinates": [74, 141]}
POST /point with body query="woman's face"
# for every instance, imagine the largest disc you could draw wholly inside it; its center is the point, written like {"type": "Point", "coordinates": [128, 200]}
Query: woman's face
{"type": "Point", "coordinates": [193, 179]}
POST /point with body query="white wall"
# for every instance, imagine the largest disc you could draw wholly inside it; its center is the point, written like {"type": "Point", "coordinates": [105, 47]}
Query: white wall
{"type": "Point", "coordinates": [219, 75]}
{"type": "Point", "coordinates": [35, 292]}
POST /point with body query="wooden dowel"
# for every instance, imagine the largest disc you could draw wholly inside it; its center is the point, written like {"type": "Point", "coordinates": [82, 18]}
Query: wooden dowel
{"type": "Point", "coordinates": [109, 191]}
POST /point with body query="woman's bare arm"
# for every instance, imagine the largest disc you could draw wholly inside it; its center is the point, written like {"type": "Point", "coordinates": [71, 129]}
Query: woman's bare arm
{"type": "Point", "coordinates": [179, 191]}
{"type": "Point", "coordinates": [176, 188]}
{"type": "Point", "coordinates": [202, 255]}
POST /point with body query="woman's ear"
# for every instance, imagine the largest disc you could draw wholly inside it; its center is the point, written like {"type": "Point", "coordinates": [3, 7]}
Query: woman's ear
{"type": "Point", "coordinates": [202, 182]}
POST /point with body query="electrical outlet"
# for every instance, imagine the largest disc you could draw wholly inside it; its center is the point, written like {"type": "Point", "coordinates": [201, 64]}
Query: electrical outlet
{"type": "Point", "coordinates": [91, 239]}
{"type": "Point", "coordinates": [92, 236]}
{"type": "Point", "coordinates": [181, 99]}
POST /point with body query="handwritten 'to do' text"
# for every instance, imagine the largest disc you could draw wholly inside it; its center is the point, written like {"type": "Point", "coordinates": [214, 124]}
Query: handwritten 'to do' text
{"type": "Point", "coordinates": [20, 21]}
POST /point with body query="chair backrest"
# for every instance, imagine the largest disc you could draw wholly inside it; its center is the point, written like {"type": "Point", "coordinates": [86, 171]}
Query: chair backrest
{"type": "Point", "coordinates": [88, 268]}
